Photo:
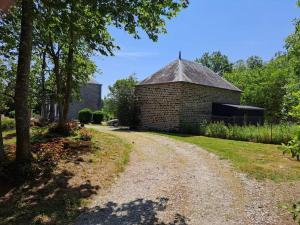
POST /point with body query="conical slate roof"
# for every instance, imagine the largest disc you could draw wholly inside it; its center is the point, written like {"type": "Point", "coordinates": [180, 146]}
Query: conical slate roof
{"type": "Point", "coordinates": [187, 71]}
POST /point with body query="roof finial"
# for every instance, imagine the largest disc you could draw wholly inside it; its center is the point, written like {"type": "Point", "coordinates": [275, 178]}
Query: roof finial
{"type": "Point", "coordinates": [179, 55]}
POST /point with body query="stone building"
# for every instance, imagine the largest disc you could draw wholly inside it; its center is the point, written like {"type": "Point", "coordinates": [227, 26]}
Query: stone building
{"type": "Point", "coordinates": [181, 95]}
{"type": "Point", "coordinates": [90, 97]}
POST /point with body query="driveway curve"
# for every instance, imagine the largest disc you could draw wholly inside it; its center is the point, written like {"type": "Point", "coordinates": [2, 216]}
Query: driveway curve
{"type": "Point", "coordinates": [168, 182]}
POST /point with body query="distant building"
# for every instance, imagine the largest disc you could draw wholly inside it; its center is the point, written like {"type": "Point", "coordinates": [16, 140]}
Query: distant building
{"type": "Point", "coordinates": [182, 95]}
{"type": "Point", "coordinates": [90, 97]}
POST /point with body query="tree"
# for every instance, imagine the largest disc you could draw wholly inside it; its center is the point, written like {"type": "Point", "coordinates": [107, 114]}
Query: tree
{"type": "Point", "coordinates": [292, 97]}
{"type": "Point", "coordinates": [22, 84]}
{"type": "Point", "coordinates": [108, 108]}
{"type": "Point", "coordinates": [216, 61]}
{"type": "Point", "coordinates": [72, 27]}
{"type": "Point", "coordinates": [254, 62]}
{"type": "Point", "coordinates": [122, 97]}
{"type": "Point", "coordinates": [69, 30]}
{"type": "Point", "coordinates": [263, 86]}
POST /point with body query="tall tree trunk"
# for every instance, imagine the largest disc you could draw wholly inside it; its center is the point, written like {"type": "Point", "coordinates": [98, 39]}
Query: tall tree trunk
{"type": "Point", "coordinates": [1, 140]}
{"type": "Point", "coordinates": [58, 82]}
{"type": "Point", "coordinates": [68, 90]}
{"type": "Point", "coordinates": [69, 73]}
{"type": "Point", "coordinates": [22, 84]}
{"type": "Point", "coordinates": [43, 94]}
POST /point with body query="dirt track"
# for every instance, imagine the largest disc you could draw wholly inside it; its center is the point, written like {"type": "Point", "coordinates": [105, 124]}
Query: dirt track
{"type": "Point", "coordinates": [169, 182]}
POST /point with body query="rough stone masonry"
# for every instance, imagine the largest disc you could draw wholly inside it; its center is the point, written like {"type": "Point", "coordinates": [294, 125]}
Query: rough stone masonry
{"type": "Point", "coordinates": [180, 95]}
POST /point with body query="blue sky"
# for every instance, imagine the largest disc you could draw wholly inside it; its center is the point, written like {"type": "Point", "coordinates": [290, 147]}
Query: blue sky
{"type": "Point", "coordinates": [238, 28]}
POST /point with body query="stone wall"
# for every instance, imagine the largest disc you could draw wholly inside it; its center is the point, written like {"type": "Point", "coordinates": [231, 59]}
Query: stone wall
{"type": "Point", "coordinates": [159, 106]}
{"type": "Point", "coordinates": [197, 102]}
{"type": "Point", "coordinates": [172, 106]}
{"type": "Point", "coordinates": [90, 97]}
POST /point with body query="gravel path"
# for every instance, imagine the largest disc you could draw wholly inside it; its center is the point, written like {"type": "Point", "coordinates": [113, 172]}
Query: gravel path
{"type": "Point", "coordinates": [168, 182]}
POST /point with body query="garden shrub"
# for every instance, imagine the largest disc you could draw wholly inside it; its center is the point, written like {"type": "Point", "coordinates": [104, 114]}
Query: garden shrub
{"type": "Point", "coordinates": [7, 124]}
{"type": "Point", "coordinates": [97, 117]}
{"type": "Point", "coordinates": [293, 147]}
{"type": "Point", "coordinates": [85, 116]}
{"type": "Point", "coordinates": [217, 129]}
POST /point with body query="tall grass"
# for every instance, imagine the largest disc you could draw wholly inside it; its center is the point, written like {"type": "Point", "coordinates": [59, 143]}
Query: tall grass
{"type": "Point", "coordinates": [272, 134]}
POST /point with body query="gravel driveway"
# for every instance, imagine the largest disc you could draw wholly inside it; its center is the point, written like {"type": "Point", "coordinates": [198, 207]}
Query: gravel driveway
{"type": "Point", "coordinates": [168, 182]}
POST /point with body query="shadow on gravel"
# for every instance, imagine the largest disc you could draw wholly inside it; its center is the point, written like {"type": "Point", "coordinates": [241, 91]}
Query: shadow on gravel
{"type": "Point", "coordinates": [140, 211]}
{"type": "Point", "coordinates": [46, 201]}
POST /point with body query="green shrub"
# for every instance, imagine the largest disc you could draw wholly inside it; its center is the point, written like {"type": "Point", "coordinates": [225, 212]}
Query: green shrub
{"type": "Point", "coordinates": [85, 116]}
{"type": "Point", "coordinates": [97, 117]}
{"type": "Point", "coordinates": [217, 129]}
{"type": "Point", "coordinates": [272, 134]}
{"type": "Point", "coordinates": [7, 123]}
{"type": "Point", "coordinates": [293, 147]}
{"type": "Point", "coordinates": [275, 134]}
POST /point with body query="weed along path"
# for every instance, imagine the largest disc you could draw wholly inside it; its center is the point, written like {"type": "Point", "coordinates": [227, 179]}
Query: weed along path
{"type": "Point", "coordinates": [168, 182]}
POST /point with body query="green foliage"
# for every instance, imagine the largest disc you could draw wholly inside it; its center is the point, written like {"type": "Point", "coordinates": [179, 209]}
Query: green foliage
{"type": "Point", "coordinates": [293, 146]}
{"type": "Point", "coordinates": [218, 129]}
{"type": "Point", "coordinates": [254, 62]}
{"type": "Point", "coordinates": [122, 98]}
{"type": "Point", "coordinates": [97, 117]}
{"type": "Point", "coordinates": [216, 62]}
{"type": "Point", "coordinates": [85, 116]}
{"type": "Point", "coordinates": [8, 124]}
{"type": "Point", "coordinates": [11, 114]}
{"type": "Point", "coordinates": [273, 85]}
{"type": "Point", "coordinates": [263, 85]}
{"type": "Point", "coordinates": [294, 209]}
{"type": "Point", "coordinates": [108, 109]}
{"type": "Point", "coordinates": [275, 134]}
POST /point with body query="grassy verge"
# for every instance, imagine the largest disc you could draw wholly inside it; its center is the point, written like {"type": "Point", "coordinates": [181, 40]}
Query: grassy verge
{"type": "Point", "coordinates": [261, 161]}
{"type": "Point", "coordinates": [61, 194]}
{"type": "Point", "coordinates": [9, 137]}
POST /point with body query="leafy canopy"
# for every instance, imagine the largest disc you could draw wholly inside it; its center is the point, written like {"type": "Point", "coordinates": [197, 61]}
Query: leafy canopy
{"type": "Point", "coordinates": [122, 96]}
{"type": "Point", "coordinates": [216, 61]}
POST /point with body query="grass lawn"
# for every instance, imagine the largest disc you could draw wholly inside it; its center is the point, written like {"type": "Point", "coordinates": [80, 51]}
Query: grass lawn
{"type": "Point", "coordinates": [261, 161]}
{"type": "Point", "coordinates": [9, 137]}
{"type": "Point", "coordinates": [59, 195]}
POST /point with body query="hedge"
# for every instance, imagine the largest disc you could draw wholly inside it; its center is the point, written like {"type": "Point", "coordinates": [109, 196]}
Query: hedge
{"type": "Point", "coordinates": [85, 116]}
{"type": "Point", "coordinates": [97, 117]}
